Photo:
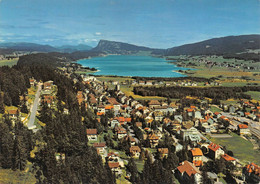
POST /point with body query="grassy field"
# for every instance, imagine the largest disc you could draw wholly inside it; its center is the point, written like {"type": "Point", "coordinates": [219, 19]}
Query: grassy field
{"type": "Point", "coordinates": [7, 62]}
{"type": "Point", "coordinates": [242, 149]}
{"type": "Point", "coordinates": [129, 92]}
{"type": "Point", "coordinates": [215, 109]}
{"type": "Point", "coordinates": [8, 176]}
{"type": "Point", "coordinates": [254, 94]}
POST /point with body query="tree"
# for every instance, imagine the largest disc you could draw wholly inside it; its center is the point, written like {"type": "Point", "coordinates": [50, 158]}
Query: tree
{"type": "Point", "coordinates": [19, 154]}
{"type": "Point", "coordinates": [6, 146]}
{"type": "Point", "coordinates": [133, 170]}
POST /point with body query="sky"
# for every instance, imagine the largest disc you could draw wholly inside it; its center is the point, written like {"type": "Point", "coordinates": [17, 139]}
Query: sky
{"type": "Point", "coordinates": [152, 23]}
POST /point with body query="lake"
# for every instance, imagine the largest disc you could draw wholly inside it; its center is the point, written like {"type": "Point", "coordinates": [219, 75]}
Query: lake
{"type": "Point", "coordinates": [128, 65]}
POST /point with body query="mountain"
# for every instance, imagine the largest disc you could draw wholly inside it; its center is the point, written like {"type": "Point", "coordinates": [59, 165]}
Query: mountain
{"type": "Point", "coordinates": [112, 47]}
{"type": "Point", "coordinates": [218, 46]}
{"type": "Point", "coordinates": [29, 47]}
{"type": "Point", "coordinates": [74, 48]}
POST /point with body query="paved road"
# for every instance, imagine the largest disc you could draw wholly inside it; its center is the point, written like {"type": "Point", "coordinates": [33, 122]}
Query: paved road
{"type": "Point", "coordinates": [30, 123]}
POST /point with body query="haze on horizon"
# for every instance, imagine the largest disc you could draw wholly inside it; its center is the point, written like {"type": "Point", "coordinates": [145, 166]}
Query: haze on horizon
{"type": "Point", "coordinates": [152, 23]}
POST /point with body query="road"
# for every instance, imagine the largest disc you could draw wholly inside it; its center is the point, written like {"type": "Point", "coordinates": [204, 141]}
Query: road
{"type": "Point", "coordinates": [34, 108]}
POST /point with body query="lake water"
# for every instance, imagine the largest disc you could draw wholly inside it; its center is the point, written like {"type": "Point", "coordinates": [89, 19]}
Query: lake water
{"type": "Point", "coordinates": [127, 65]}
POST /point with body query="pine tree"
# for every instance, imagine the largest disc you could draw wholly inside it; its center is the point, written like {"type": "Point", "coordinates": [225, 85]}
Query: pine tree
{"type": "Point", "coordinates": [6, 143]}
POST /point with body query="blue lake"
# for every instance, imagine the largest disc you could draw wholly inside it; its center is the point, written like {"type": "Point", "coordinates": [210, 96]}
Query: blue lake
{"type": "Point", "coordinates": [128, 65]}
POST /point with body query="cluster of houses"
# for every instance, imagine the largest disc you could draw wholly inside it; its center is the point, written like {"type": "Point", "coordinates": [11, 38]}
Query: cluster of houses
{"type": "Point", "coordinates": [189, 125]}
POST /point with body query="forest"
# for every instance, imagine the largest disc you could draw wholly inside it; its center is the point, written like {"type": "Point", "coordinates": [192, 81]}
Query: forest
{"type": "Point", "coordinates": [63, 134]}
{"type": "Point", "coordinates": [219, 93]}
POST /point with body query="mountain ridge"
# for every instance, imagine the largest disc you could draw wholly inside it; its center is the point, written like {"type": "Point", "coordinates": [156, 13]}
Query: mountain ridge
{"type": "Point", "coordinates": [115, 47]}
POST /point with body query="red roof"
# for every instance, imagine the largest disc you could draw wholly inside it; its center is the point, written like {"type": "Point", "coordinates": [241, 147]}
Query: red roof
{"type": "Point", "coordinates": [91, 131]}
{"type": "Point", "coordinates": [135, 149]}
{"type": "Point", "coordinates": [190, 110]}
{"type": "Point", "coordinates": [247, 113]}
{"type": "Point", "coordinates": [253, 168]}
{"type": "Point", "coordinates": [113, 101]}
{"type": "Point", "coordinates": [214, 147]}
{"type": "Point", "coordinates": [99, 145]}
{"type": "Point", "coordinates": [113, 164]}
{"type": "Point", "coordinates": [217, 113]}
{"type": "Point", "coordinates": [163, 150]}
{"type": "Point", "coordinates": [196, 152]}
{"type": "Point", "coordinates": [227, 157]}
{"type": "Point", "coordinates": [189, 168]}
{"type": "Point", "coordinates": [222, 117]}
{"type": "Point", "coordinates": [242, 126]}
{"type": "Point", "coordinates": [154, 102]}
{"type": "Point", "coordinates": [13, 112]}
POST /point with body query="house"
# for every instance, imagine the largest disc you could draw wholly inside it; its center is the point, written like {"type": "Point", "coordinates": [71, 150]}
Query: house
{"type": "Point", "coordinates": [92, 134]}
{"type": "Point", "coordinates": [32, 81]}
{"type": "Point", "coordinates": [101, 147]}
{"type": "Point", "coordinates": [186, 131]}
{"type": "Point", "coordinates": [153, 139]}
{"type": "Point", "coordinates": [252, 173]}
{"type": "Point", "coordinates": [154, 103]}
{"type": "Point", "coordinates": [121, 132]}
{"type": "Point", "coordinates": [131, 139]}
{"type": "Point", "coordinates": [196, 155]}
{"type": "Point", "coordinates": [188, 173]}
{"type": "Point", "coordinates": [115, 168]}
{"type": "Point", "coordinates": [13, 114]}
{"type": "Point", "coordinates": [228, 158]}
{"type": "Point", "coordinates": [215, 151]}
{"type": "Point", "coordinates": [138, 124]}
{"type": "Point", "coordinates": [243, 129]}
{"type": "Point", "coordinates": [114, 123]}
{"type": "Point", "coordinates": [163, 152]}
{"type": "Point", "coordinates": [47, 85]}
{"type": "Point", "coordinates": [114, 157]}
{"type": "Point", "coordinates": [135, 151]}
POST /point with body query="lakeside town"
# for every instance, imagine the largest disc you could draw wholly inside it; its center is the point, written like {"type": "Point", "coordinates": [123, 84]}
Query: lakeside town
{"type": "Point", "coordinates": [127, 132]}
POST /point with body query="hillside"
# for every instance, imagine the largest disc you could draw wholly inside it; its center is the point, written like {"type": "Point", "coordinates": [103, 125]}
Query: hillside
{"type": "Point", "coordinates": [112, 47]}
{"type": "Point", "coordinates": [30, 47]}
{"type": "Point", "coordinates": [218, 46]}
{"type": "Point", "coordinates": [74, 48]}
{"type": "Point", "coordinates": [33, 47]}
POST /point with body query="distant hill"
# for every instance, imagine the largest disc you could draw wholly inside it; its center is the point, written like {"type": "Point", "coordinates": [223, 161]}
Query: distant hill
{"type": "Point", "coordinates": [218, 46]}
{"type": "Point", "coordinates": [74, 48]}
{"type": "Point", "coordinates": [33, 47]}
{"type": "Point", "coordinates": [112, 47]}
{"type": "Point", "coordinates": [29, 47]}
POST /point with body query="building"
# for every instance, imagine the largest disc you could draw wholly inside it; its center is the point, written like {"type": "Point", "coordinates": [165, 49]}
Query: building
{"type": "Point", "coordinates": [196, 155]}
{"type": "Point", "coordinates": [154, 103]}
{"type": "Point", "coordinates": [135, 151]}
{"type": "Point", "coordinates": [243, 129]}
{"type": "Point", "coordinates": [215, 151]}
{"type": "Point", "coordinates": [101, 147]}
{"type": "Point", "coordinates": [115, 167]}
{"type": "Point", "coordinates": [188, 173]}
{"type": "Point", "coordinates": [163, 152]}
{"type": "Point", "coordinates": [153, 139]}
{"type": "Point", "coordinates": [121, 132]}
{"type": "Point", "coordinates": [92, 134]}
{"type": "Point", "coordinates": [228, 158]}
{"type": "Point", "coordinates": [252, 173]}
{"type": "Point", "coordinates": [13, 114]}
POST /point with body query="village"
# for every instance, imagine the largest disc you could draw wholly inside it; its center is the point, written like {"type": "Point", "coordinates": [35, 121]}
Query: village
{"type": "Point", "coordinates": [127, 128]}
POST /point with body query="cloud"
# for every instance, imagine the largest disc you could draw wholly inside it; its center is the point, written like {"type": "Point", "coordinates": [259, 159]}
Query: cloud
{"type": "Point", "coordinates": [98, 33]}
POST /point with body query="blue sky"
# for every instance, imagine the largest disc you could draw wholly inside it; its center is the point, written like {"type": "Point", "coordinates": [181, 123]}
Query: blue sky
{"type": "Point", "coordinates": [153, 23]}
